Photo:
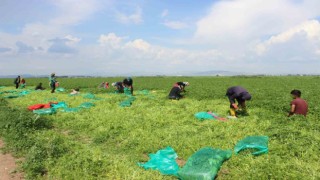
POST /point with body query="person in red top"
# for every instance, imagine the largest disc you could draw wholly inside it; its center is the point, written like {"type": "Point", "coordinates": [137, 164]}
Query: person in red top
{"type": "Point", "coordinates": [298, 105]}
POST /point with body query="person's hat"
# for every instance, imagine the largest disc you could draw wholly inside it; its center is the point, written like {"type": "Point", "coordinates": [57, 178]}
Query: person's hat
{"type": "Point", "coordinates": [186, 83]}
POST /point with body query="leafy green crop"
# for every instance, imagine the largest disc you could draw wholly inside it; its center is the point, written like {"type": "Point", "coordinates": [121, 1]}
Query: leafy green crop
{"type": "Point", "coordinates": [106, 141]}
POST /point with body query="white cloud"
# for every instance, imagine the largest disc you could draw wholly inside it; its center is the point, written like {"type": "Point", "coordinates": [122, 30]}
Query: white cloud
{"type": "Point", "coordinates": [139, 44]}
{"type": "Point", "coordinates": [175, 24]}
{"type": "Point", "coordinates": [164, 13]}
{"type": "Point", "coordinates": [242, 21]}
{"type": "Point", "coordinates": [110, 39]}
{"type": "Point", "coordinates": [135, 17]}
{"type": "Point", "coordinates": [310, 30]}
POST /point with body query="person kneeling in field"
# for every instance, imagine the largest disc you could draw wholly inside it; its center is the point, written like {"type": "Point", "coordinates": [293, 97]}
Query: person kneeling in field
{"type": "Point", "coordinates": [241, 95]}
{"type": "Point", "coordinates": [39, 87]}
{"type": "Point", "coordinates": [298, 105]}
{"type": "Point", "coordinates": [175, 93]}
{"type": "Point", "coordinates": [118, 86]}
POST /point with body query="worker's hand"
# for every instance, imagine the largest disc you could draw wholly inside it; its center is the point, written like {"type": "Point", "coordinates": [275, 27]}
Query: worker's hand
{"type": "Point", "coordinates": [235, 106]}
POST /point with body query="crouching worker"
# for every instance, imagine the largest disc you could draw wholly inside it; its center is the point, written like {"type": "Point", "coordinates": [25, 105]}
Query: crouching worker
{"type": "Point", "coordinates": [75, 91]}
{"type": "Point", "coordinates": [104, 85]}
{"type": "Point", "coordinates": [118, 86]}
{"type": "Point", "coordinates": [128, 83]}
{"type": "Point", "coordinates": [298, 105]}
{"type": "Point", "coordinates": [39, 87]}
{"type": "Point", "coordinates": [239, 94]}
{"type": "Point", "coordinates": [175, 93]}
{"type": "Point", "coordinates": [182, 85]}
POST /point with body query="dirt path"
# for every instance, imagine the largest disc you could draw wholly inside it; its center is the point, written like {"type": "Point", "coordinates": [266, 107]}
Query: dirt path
{"type": "Point", "coordinates": [8, 166]}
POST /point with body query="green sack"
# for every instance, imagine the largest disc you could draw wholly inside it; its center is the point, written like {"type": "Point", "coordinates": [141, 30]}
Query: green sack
{"type": "Point", "coordinates": [204, 164]}
{"type": "Point", "coordinates": [59, 105]}
{"type": "Point", "coordinates": [71, 109]}
{"type": "Point", "coordinates": [144, 92]}
{"type": "Point", "coordinates": [203, 116]}
{"type": "Point", "coordinates": [89, 96]}
{"type": "Point", "coordinates": [22, 93]}
{"type": "Point", "coordinates": [125, 104]}
{"type": "Point", "coordinates": [45, 111]}
{"type": "Point", "coordinates": [86, 105]}
{"type": "Point", "coordinates": [60, 89]}
{"type": "Point", "coordinates": [127, 91]}
{"type": "Point", "coordinates": [257, 143]}
{"type": "Point", "coordinates": [164, 161]}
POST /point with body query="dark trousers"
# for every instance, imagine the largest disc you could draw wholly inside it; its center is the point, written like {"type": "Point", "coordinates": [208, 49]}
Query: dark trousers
{"type": "Point", "coordinates": [53, 87]}
{"type": "Point", "coordinates": [17, 85]}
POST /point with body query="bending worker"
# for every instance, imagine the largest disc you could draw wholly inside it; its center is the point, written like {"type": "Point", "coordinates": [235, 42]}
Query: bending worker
{"type": "Point", "coordinates": [128, 83]}
{"type": "Point", "coordinates": [241, 95]}
{"type": "Point", "coordinates": [118, 86]}
{"type": "Point", "coordinates": [182, 85]}
{"type": "Point", "coordinates": [175, 93]}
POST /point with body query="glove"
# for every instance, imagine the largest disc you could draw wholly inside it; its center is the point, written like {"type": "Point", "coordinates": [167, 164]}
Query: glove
{"type": "Point", "coordinates": [235, 106]}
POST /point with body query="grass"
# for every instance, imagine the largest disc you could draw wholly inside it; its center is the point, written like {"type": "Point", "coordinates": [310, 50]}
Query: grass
{"type": "Point", "coordinates": [107, 141]}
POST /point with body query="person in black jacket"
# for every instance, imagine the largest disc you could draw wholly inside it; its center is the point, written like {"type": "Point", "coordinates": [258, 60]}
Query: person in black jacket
{"type": "Point", "coordinates": [237, 93]}
{"type": "Point", "coordinates": [175, 93]}
{"type": "Point", "coordinates": [17, 81]}
{"type": "Point", "coordinates": [128, 82]}
{"type": "Point", "coordinates": [182, 85]}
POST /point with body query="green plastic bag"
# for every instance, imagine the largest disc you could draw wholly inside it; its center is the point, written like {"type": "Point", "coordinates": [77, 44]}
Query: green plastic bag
{"type": "Point", "coordinates": [127, 91]}
{"type": "Point", "coordinates": [89, 96]}
{"type": "Point", "coordinates": [127, 102]}
{"type": "Point", "coordinates": [48, 111]}
{"type": "Point", "coordinates": [71, 109]}
{"type": "Point", "coordinates": [86, 105]}
{"type": "Point", "coordinates": [144, 92]}
{"type": "Point", "coordinates": [204, 164]}
{"type": "Point", "coordinates": [60, 89]}
{"type": "Point", "coordinates": [59, 105]}
{"type": "Point", "coordinates": [164, 161]}
{"type": "Point", "coordinates": [203, 116]}
{"type": "Point", "coordinates": [257, 143]}
{"type": "Point", "coordinates": [22, 93]}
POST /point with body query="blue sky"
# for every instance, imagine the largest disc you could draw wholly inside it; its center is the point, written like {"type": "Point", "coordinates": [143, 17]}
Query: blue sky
{"type": "Point", "coordinates": [110, 37]}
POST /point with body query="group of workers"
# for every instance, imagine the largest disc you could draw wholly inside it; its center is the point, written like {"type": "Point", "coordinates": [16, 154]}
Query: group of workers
{"type": "Point", "coordinates": [235, 94]}
{"type": "Point", "coordinates": [240, 95]}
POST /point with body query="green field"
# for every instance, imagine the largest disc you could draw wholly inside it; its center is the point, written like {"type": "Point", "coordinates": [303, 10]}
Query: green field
{"type": "Point", "coordinates": [107, 141]}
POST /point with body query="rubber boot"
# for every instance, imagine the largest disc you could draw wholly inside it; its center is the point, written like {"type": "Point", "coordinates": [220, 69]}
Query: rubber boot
{"type": "Point", "coordinates": [232, 112]}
